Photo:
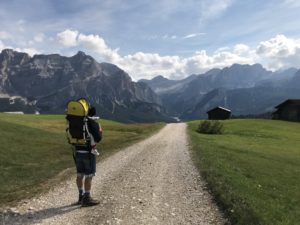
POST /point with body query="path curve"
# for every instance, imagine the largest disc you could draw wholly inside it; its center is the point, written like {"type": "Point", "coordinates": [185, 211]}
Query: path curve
{"type": "Point", "coordinates": [151, 182]}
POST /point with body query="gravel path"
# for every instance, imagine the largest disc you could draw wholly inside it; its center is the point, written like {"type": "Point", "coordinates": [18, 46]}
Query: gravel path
{"type": "Point", "coordinates": [151, 182]}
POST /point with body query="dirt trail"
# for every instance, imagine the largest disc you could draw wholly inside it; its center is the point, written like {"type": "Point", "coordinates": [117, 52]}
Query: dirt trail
{"type": "Point", "coordinates": [151, 182]}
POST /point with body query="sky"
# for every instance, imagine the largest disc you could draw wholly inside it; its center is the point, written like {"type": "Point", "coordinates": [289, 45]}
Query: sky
{"type": "Point", "coordinates": [173, 38]}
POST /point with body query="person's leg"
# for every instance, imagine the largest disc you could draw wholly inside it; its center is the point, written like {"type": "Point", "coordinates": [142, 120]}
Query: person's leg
{"type": "Point", "coordinates": [91, 170]}
{"type": "Point", "coordinates": [79, 182]}
{"type": "Point", "coordinates": [80, 176]}
{"type": "Point", "coordinates": [88, 184]}
{"type": "Point", "coordinates": [87, 200]}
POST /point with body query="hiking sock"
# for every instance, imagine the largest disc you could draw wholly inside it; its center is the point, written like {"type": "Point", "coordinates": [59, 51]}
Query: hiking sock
{"type": "Point", "coordinates": [80, 191]}
{"type": "Point", "coordinates": [87, 193]}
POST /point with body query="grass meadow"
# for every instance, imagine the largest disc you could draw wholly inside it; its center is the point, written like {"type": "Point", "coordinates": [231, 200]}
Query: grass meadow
{"type": "Point", "coordinates": [35, 154]}
{"type": "Point", "coordinates": [252, 169]}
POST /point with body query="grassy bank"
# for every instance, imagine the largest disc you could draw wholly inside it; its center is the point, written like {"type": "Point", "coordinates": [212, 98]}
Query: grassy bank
{"type": "Point", "coordinates": [34, 151]}
{"type": "Point", "coordinates": [253, 169]}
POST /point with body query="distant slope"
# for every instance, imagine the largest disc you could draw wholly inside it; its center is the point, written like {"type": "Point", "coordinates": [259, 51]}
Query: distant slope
{"type": "Point", "coordinates": [245, 101]}
{"type": "Point", "coordinates": [245, 89]}
{"type": "Point", "coordinates": [161, 85]}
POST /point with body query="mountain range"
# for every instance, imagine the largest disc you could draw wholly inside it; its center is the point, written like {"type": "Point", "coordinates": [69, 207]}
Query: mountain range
{"type": "Point", "coordinates": [244, 89]}
{"type": "Point", "coordinates": [45, 83]}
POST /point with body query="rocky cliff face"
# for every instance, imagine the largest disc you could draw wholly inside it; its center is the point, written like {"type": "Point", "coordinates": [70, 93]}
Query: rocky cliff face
{"type": "Point", "coordinates": [48, 82]}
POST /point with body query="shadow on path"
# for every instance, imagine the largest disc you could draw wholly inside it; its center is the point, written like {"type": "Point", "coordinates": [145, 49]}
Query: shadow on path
{"type": "Point", "coordinates": [35, 216]}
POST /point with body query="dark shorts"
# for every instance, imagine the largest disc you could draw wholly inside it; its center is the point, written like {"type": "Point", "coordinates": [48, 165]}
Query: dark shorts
{"type": "Point", "coordinates": [85, 164]}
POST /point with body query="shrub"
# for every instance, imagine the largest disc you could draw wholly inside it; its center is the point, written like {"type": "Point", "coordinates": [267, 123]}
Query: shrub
{"type": "Point", "coordinates": [210, 127]}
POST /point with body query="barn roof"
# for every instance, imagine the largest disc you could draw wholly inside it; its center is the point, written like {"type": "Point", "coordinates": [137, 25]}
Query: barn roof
{"type": "Point", "coordinates": [219, 107]}
{"type": "Point", "coordinates": [287, 102]}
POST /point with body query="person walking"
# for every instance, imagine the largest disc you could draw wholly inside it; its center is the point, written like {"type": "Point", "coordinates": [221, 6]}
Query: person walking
{"type": "Point", "coordinates": [86, 161]}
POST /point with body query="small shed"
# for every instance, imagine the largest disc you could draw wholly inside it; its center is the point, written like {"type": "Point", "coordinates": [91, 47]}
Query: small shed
{"type": "Point", "coordinates": [219, 113]}
{"type": "Point", "coordinates": [288, 110]}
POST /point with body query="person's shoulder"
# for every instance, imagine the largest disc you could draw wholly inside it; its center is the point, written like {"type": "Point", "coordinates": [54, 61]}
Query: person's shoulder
{"type": "Point", "coordinates": [93, 123]}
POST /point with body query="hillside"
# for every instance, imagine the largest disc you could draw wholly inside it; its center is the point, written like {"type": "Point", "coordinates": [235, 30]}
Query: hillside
{"type": "Point", "coordinates": [252, 169]}
{"type": "Point", "coordinates": [35, 150]}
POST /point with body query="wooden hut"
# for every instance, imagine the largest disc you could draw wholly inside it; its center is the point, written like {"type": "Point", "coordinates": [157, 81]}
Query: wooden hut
{"type": "Point", "coordinates": [288, 110]}
{"type": "Point", "coordinates": [219, 113]}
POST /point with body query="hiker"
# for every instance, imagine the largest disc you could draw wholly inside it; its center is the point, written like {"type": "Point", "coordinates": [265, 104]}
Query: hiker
{"type": "Point", "coordinates": [85, 161]}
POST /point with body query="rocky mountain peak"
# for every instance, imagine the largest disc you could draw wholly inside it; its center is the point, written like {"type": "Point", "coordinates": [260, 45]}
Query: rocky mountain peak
{"type": "Point", "coordinates": [14, 57]}
{"type": "Point", "coordinates": [48, 82]}
{"type": "Point", "coordinates": [8, 52]}
{"type": "Point", "coordinates": [80, 53]}
{"type": "Point", "coordinates": [159, 78]}
{"type": "Point", "coordinates": [236, 66]}
{"type": "Point", "coordinates": [81, 56]}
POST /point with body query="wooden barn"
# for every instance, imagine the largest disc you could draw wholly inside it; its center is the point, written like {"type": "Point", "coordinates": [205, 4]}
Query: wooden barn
{"type": "Point", "coordinates": [288, 110]}
{"type": "Point", "coordinates": [219, 113]}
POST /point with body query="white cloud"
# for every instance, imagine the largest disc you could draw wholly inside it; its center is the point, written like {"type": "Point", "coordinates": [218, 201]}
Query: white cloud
{"type": "Point", "coordinates": [67, 38]}
{"type": "Point", "coordinates": [193, 35]}
{"type": "Point", "coordinates": [147, 65]}
{"type": "Point", "coordinates": [211, 9]}
{"type": "Point", "coordinates": [93, 42]}
{"type": "Point", "coordinates": [292, 3]}
{"type": "Point", "coordinates": [21, 22]}
{"type": "Point", "coordinates": [189, 36]}
{"type": "Point", "coordinates": [275, 53]}
{"type": "Point", "coordinates": [39, 37]}
{"type": "Point", "coordinates": [225, 48]}
{"type": "Point", "coordinates": [20, 25]}
{"type": "Point", "coordinates": [2, 46]}
{"type": "Point", "coordinates": [166, 36]}
{"type": "Point", "coordinates": [96, 44]}
{"type": "Point", "coordinates": [280, 52]}
{"type": "Point", "coordinates": [279, 46]}
{"type": "Point", "coordinates": [29, 51]}
{"type": "Point", "coordinates": [5, 35]}
{"type": "Point", "coordinates": [201, 61]}
{"type": "Point", "coordinates": [240, 49]}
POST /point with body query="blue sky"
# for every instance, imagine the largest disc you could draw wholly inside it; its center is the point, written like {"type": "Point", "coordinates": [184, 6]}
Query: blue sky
{"type": "Point", "coordinates": [173, 38]}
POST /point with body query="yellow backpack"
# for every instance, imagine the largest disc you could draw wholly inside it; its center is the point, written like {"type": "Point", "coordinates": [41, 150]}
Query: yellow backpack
{"type": "Point", "coordinates": [77, 128]}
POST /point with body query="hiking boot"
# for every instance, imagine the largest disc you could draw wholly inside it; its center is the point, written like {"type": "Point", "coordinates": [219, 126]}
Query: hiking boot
{"type": "Point", "coordinates": [88, 201]}
{"type": "Point", "coordinates": [80, 199]}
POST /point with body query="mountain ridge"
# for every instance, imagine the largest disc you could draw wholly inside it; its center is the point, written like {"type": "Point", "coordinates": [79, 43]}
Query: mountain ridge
{"type": "Point", "coordinates": [48, 82]}
{"type": "Point", "coordinates": [234, 83]}
{"type": "Point", "coordinates": [45, 83]}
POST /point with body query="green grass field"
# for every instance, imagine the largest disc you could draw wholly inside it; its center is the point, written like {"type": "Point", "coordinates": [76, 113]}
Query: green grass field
{"type": "Point", "coordinates": [253, 169]}
{"type": "Point", "coordinates": [35, 153]}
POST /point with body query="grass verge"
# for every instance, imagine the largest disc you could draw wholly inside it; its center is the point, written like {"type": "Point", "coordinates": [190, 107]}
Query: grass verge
{"type": "Point", "coordinates": [252, 169]}
{"type": "Point", "coordinates": [34, 150]}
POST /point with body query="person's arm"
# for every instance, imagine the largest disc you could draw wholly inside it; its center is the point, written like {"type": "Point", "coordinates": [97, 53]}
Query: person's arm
{"type": "Point", "coordinates": [94, 129]}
